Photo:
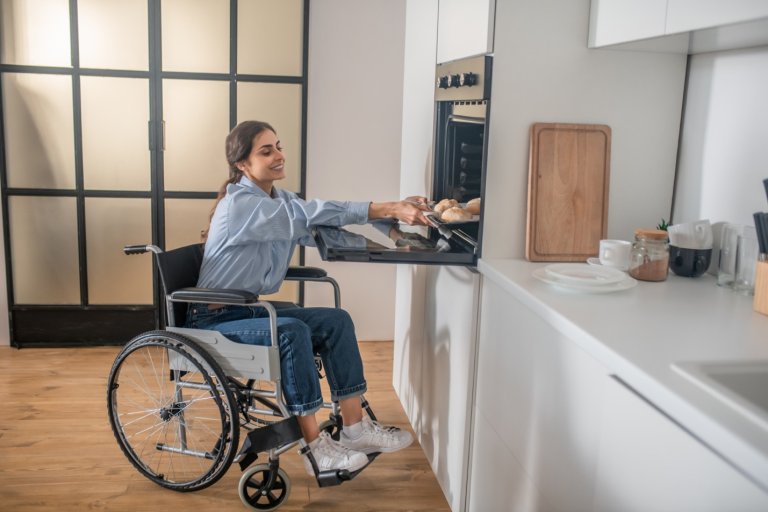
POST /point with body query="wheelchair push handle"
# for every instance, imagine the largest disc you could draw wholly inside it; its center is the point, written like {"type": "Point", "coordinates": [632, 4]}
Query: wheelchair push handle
{"type": "Point", "coordinates": [141, 249]}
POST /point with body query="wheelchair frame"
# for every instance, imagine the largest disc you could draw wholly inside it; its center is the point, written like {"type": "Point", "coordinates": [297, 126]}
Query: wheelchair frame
{"type": "Point", "coordinates": [176, 402]}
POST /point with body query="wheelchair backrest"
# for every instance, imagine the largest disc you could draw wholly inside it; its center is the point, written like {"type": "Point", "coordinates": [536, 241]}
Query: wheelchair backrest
{"type": "Point", "coordinates": [179, 268]}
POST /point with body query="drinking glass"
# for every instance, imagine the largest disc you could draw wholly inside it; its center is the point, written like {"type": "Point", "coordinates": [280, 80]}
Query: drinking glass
{"type": "Point", "coordinates": [726, 267]}
{"type": "Point", "coordinates": [746, 262]}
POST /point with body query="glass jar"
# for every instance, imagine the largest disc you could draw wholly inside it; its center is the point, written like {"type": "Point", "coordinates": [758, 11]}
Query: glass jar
{"type": "Point", "coordinates": [649, 259]}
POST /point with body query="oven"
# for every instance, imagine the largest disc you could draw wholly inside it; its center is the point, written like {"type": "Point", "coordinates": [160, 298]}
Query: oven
{"type": "Point", "coordinates": [460, 148]}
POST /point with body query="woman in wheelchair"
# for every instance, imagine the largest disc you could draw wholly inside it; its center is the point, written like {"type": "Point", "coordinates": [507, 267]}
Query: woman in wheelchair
{"type": "Point", "coordinates": [253, 232]}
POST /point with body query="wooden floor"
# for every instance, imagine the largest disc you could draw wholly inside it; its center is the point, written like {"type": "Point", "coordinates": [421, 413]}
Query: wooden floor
{"type": "Point", "coordinates": [57, 451]}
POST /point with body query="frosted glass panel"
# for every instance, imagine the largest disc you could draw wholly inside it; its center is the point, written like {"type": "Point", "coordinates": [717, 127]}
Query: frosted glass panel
{"type": "Point", "coordinates": [280, 106]}
{"type": "Point", "coordinates": [196, 117]}
{"type": "Point", "coordinates": [195, 35]}
{"type": "Point", "coordinates": [35, 32]}
{"type": "Point", "coordinates": [270, 37]}
{"type": "Point", "coordinates": [39, 133]}
{"type": "Point", "coordinates": [184, 220]}
{"type": "Point", "coordinates": [44, 250]}
{"type": "Point", "coordinates": [113, 34]}
{"type": "Point", "coordinates": [115, 113]}
{"type": "Point", "coordinates": [111, 224]}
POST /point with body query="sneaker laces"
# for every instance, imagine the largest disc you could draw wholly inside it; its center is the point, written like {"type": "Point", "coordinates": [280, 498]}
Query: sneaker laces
{"type": "Point", "coordinates": [377, 429]}
{"type": "Point", "coordinates": [327, 447]}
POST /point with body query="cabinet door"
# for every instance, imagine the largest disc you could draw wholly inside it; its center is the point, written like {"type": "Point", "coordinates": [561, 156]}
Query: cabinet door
{"type": "Point", "coordinates": [542, 396]}
{"type": "Point", "coordinates": [685, 15]}
{"type": "Point", "coordinates": [619, 21]}
{"type": "Point", "coordinates": [464, 28]}
{"type": "Point", "coordinates": [447, 373]}
{"type": "Point", "coordinates": [499, 482]}
{"type": "Point", "coordinates": [648, 463]}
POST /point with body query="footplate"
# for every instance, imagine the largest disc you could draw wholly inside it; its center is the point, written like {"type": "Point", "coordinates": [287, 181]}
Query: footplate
{"type": "Point", "coordinates": [267, 438]}
{"type": "Point", "coordinates": [333, 477]}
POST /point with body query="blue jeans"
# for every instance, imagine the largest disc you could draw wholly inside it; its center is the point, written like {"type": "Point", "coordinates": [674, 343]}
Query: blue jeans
{"type": "Point", "coordinates": [302, 332]}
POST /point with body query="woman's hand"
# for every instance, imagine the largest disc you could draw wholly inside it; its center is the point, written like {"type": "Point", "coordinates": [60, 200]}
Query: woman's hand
{"type": "Point", "coordinates": [416, 199]}
{"type": "Point", "coordinates": [410, 212]}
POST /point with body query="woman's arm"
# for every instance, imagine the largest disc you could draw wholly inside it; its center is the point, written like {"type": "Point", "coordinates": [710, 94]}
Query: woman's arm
{"type": "Point", "coordinates": [250, 218]}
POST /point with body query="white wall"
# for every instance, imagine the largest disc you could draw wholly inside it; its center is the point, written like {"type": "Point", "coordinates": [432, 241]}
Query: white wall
{"type": "Point", "coordinates": [724, 144]}
{"type": "Point", "coordinates": [543, 72]}
{"type": "Point", "coordinates": [354, 121]}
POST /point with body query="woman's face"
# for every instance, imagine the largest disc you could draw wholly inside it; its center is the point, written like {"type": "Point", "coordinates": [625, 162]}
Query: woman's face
{"type": "Point", "coordinates": [266, 162]}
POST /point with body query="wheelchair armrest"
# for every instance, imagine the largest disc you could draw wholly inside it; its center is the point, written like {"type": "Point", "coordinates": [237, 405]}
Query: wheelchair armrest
{"type": "Point", "coordinates": [314, 274]}
{"type": "Point", "coordinates": [214, 296]}
{"type": "Point", "coordinates": [299, 273]}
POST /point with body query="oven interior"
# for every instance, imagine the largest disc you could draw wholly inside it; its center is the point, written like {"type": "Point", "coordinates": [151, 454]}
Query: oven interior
{"type": "Point", "coordinates": [459, 146]}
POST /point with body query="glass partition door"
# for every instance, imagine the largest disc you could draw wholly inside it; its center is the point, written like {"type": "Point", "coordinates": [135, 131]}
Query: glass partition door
{"type": "Point", "coordinates": [114, 115]}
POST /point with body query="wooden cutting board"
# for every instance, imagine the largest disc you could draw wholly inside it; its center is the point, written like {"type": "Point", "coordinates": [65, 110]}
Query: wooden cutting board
{"type": "Point", "coordinates": [569, 167]}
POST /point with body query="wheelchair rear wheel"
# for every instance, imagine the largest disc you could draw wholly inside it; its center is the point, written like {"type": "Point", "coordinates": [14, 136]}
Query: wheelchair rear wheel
{"type": "Point", "coordinates": [172, 411]}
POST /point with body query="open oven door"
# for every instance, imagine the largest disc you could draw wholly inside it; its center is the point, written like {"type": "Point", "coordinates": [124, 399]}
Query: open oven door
{"type": "Point", "coordinates": [392, 242]}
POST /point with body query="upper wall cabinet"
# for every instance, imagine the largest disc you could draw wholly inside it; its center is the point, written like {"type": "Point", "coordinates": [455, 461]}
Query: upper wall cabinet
{"type": "Point", "coordinates": [685, 26]}
{"type": "Point", "coordinates": [464, 28]}
{"type": "Point", "coordinates": [619, 21]}
{"type": "Point", "coordinates": [687, 15]}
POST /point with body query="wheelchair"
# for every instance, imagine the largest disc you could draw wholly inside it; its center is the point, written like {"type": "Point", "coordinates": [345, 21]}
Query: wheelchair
{"type": "Point", "coordinates": [179, 399]}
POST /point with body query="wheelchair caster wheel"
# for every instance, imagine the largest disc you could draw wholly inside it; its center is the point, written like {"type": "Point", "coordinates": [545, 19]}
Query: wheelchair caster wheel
{"type": "Point", "coordinates": [255, 491]}
{"type": "Point", "coordinates": [332, 428]}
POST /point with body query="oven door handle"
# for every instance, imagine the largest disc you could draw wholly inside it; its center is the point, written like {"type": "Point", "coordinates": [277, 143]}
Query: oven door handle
{"type": "Point", "coordinates": [466, 119]}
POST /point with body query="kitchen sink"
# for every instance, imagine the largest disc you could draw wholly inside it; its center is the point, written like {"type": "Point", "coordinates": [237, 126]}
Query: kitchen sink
{"type": "Point", "coordinates": [743, 385]}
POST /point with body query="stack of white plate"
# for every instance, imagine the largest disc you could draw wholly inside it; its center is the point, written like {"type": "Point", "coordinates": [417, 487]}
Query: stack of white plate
{"type": "Point", "coordinates": [585, 278]}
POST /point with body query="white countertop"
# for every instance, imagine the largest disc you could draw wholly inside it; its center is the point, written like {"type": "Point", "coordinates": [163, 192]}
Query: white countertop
{"type": "Point", "coordinates": [638, 333]}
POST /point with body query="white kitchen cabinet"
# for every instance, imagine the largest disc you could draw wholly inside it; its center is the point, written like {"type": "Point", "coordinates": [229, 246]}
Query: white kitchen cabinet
{"type": "Point", "coordinates": [648, 463]}
{"type": "Point", "coordinates": [538, 408]}
{"type": "Point", "coordinates": [554, 431]}
{"type": "Point", "coordinates": [446, 378]}
{"type": "Point", "coordinates": [684, 26]}
{"type": "Point", "coordinates": [687, 15]}
{"type": "Point", "coordinates": [464, 28]}
{"type": "Point", "coordinates": [435, 368]}
{"type": "Point", "coordinates": [619, 21]}
{"type": "Point", "coordinates": [499, 482]}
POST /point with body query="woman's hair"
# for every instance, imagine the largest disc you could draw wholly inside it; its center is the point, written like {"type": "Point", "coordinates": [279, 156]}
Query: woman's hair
{"type": "Point", "coordinates": [237, 145]}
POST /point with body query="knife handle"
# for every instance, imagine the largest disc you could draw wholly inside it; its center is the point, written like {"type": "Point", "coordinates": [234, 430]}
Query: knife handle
{"type": "Point", "coordinates": [765, 184]}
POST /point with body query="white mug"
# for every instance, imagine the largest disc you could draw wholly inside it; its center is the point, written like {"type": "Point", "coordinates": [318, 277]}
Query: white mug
{"type": "Point", "coordinates": [615, 253]}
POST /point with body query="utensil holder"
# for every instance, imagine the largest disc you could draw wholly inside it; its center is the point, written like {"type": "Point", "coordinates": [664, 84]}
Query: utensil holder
{"type": "Point", "coordinates": [760, 303]}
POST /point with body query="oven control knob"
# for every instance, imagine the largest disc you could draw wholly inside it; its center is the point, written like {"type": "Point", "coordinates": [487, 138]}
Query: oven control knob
{"type": "Point", "coordinates": [468, 79]}
{"type": "Point", "coordinates": [443, 82]}
{"type": "Point", "coordinates": [455, 80]}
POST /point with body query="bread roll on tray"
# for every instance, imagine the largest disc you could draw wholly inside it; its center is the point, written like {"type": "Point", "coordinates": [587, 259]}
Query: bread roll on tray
{"type": "Point", "coordinates": [473, 206]}
{"type": "Point", "coordinates": [455, 214]}
{"type": "Point", "coordinates": [445, 204]}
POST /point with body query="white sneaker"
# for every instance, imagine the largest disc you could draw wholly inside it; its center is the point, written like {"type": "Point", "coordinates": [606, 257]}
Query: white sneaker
{"type": "Point", "coordinates": [330, 454]}
{"type": "Point", "coordinates": [377, 438]}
